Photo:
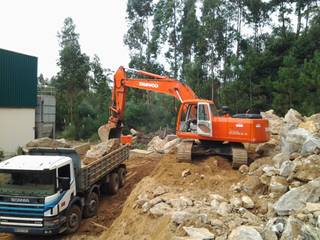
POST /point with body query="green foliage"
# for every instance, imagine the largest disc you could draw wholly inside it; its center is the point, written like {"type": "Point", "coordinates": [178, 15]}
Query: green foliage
{"type": "Point", "coordinates": [1, 155]}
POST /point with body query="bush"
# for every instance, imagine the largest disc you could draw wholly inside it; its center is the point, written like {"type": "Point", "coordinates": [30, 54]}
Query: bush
{"type": "Point", "coordinates": [1, 155]}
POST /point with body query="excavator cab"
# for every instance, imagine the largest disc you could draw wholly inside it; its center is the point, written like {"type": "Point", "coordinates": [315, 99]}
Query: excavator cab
{"type": "Point", "coordinates": [195, 117]}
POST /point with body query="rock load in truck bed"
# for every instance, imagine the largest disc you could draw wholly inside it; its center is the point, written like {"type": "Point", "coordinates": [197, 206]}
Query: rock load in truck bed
{"type": "Point", "coordinates": [100, 150]}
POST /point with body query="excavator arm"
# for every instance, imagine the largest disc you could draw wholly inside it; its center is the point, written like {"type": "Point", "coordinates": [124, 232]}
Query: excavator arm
{"type": "Point", "coordinates": [148, 81]}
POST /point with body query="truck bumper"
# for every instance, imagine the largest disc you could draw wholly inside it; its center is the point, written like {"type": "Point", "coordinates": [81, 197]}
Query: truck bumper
{"type": "Point", "coordinates": [52, 230]}
{"type": "Point", "coordinates": [32, 231]}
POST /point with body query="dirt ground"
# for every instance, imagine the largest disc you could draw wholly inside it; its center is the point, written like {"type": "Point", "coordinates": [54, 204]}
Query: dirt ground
{"type": "Point", "coordinates": [111, 206]}
{"type": "Point", "coordinates": [211, 174]}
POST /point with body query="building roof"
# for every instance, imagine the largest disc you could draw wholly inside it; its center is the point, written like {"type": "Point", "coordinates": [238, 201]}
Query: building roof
{"type": "Point", "coordinates": [32, 162]}
{"type": "Point", "coordinates": [18, 80]}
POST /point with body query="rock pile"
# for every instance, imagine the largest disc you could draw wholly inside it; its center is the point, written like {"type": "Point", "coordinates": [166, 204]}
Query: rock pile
{"type": "Point", "coordinates": [278, 197]}
{"type": "Point", "coordinates": [166, 145]}
{"type": "Point", "coordinates": [100, 150]}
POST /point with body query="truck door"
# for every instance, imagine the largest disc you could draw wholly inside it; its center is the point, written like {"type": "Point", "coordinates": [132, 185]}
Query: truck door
{"type": "Point", "coordinates": [204, 123]}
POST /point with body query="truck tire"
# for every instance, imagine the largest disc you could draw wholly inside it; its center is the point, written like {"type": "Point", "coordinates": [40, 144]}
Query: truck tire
{"type": "Point", "coordinates": [122, 176]}
{"type": "Point", "coordinates": [113, 184]}
{"type": "Point", "coordinates": [92, 204]}
{"type": "Point", "coordinates": [73, 219]}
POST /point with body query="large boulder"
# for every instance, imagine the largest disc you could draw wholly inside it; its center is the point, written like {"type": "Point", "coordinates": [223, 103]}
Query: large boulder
{"type": "Point", "coordinates": [307, 169]}
{"type": "Point", "coordinates": [245, 233]}
{"type": "Point", "coordinates": [275, 122]}
{"type": "Point", "coordinates": [296, 198]}
{"type": "Point", "coordinates": [293, 117]}
{"type": "Point", "coordinates": [297, 229]}
{"type": "Point", "coordinates": [312, 123]}
{"type": "Point", "coordinates": [295, 140]}
{"type": "Point", "coordinates": [310, 146]}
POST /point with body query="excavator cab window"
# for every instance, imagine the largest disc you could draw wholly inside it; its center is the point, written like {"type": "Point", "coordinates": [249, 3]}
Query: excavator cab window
{"type": "Point", "coordinates": [189, 118]}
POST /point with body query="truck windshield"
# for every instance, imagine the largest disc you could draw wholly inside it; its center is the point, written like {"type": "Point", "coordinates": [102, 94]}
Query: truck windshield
{"type": "Point", "coordinates": [27, 183]}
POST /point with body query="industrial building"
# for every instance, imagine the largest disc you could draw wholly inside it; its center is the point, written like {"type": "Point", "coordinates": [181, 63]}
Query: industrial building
{"type": "Point", "coordinates": [18, 100]}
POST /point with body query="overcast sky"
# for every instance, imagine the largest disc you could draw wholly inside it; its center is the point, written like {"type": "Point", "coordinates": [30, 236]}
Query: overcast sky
{"type": "Point", "coordinates": [31, 26]}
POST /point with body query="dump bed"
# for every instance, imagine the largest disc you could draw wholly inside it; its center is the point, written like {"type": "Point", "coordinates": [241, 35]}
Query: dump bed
{"type": "Point", "coordinates": [93, 172]}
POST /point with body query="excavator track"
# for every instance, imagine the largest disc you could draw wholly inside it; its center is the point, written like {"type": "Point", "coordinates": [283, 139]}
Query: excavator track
{"type": "Point", "coordinates": [184, 151]}
{"type": "Point", "coordinates": [239, 156]}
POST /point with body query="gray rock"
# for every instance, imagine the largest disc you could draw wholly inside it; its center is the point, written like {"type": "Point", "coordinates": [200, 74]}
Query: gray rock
{"type": "Point", "coordinates": [245, 233]}
{"type": "Point", "coordinates": [276, 225]}
{"type": "Point", "coordinates": [247, 202]}
{"type": "Point", "coordinates": [252, 184]}
{"type": "Point", "coordinates": [278, 185]}
{"type": "Point", "coordinates": [160, 209]}
{"type": "Point", "coordinates": [287, 168]}
{"type": "Point", "coordinates": [216, 223]}
{"type": "Point", "coordinates": [224, 209]}
{"type": "Point", "coordinates": [310, 146]}
{"type": "Point", "coordinates": [215, 204]}
{"type": "Point", "coordinates": [310, 232]}
{"type": "Point", "coordinates": [308, 168]}
{"type": "Point", "coordinates": [296, 229]}
{"type": "Point", "coordinates": [147, 205]}
{"type": "Point", "coordinates": [293, 117]}
{"type": "Point", "coordinates": [297, 198]}
{"type": "Point", "coordinates": [295, 140]}
{"type": "Point", "coordinates": [236, 202]}
{"type": "Point", "coordinates": [251, 218]}
{"type": "Point", "coordinates": [199, 233]}
{"type": "Point", "coordinates": [180, 217]}
{"type": "Point", "coordinates": [203, 217]}
{"type": "Point", "coordinates": [275, 122]}
{"type": "Point", "coordinates": [217, 197]}
{"type": "Point", "coordinates": [186, 172]}
{"type": "Point", "coordinates": [279, 159]}
{"type": "Point", "coordinates": [159, 191]}
{"type": "Point", "coordinates": [180, 203]}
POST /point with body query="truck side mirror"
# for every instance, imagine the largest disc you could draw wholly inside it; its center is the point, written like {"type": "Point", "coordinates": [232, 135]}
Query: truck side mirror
{"type": "Point", "coordinates": [64, 183]}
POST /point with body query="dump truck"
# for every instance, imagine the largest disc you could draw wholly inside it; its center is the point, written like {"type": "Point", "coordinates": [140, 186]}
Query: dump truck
{"type": "Point", "coordinates": [47, 191]}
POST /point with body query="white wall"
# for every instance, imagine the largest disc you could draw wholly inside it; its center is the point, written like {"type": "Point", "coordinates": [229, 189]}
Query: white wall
{"type": "Point", "coordinates": [16, 128]}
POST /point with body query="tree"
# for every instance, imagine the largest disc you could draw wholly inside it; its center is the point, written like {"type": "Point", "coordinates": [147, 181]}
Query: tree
{"type": "Point", "coordinates": [72, 81]}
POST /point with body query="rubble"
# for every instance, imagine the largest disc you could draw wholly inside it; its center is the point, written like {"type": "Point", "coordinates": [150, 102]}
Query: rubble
{"type": "Point", "coordinates": [277, 197]}
{"type": "Point", "coordinates": [100, 150]}
{"type": "Point", "coordinates": [48, 142]}
{"type": "Point", "coordinates": [199, 233]}
{"type": "Point", "coordinates": [245, 233]}
{"type": "Point", "coordinates": [297, 198]}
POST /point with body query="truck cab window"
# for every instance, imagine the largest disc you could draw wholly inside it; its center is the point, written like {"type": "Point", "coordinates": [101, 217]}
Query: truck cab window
{"type": "Point", "coordinates": [203, 112]}
{"type": "Point", "coordinates": [64, 171]}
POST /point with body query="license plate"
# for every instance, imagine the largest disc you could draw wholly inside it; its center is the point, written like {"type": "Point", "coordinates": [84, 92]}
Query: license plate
{"type": "Point", "coordinates": [21, 230]}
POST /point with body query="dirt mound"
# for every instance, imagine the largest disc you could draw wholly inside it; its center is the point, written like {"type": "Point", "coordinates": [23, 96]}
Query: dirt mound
{"type": "Point", "coordinates": [207, 176]}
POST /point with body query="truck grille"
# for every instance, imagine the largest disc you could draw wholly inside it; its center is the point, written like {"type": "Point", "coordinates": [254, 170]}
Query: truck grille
{"type": "Point", "coordinates": [16, 211]}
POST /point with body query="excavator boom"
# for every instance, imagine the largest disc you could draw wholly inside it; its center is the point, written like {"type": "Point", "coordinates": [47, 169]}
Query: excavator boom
{"type": "Point", "coordinates": [147, 81]}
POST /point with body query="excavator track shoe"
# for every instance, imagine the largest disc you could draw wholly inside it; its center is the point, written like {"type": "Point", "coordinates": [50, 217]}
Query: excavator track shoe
{"type": "Point", "coordinates": [239, 156]}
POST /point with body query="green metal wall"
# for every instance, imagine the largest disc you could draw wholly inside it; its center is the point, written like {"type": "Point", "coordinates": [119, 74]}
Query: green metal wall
{"type": "Point", "coordinates": [18, 80]}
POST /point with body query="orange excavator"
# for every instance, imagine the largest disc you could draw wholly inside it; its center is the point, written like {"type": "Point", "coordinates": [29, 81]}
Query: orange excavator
{"type": "Point", "coordinates": [203, 128]}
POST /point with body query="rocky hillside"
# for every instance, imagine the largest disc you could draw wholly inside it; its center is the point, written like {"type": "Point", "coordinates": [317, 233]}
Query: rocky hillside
{"type": "Point", "coordinates": [276, 197]}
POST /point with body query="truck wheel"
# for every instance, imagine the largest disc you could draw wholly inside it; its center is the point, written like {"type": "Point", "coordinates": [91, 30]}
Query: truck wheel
{"type": "Point", "coordinates": [73, 219]}
{"type": "Point", "coordinates": [113, 184]}
{"type": "Point", "coordinates": [122, 176]}
{"type": "Point", "coordinates": [91, 206]}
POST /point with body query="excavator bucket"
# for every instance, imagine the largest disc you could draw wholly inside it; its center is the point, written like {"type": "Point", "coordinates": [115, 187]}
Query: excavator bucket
{"type": "Point", "coordinates": [108, 131]}
{"type": "Point", "coordinates": [104, 132]}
